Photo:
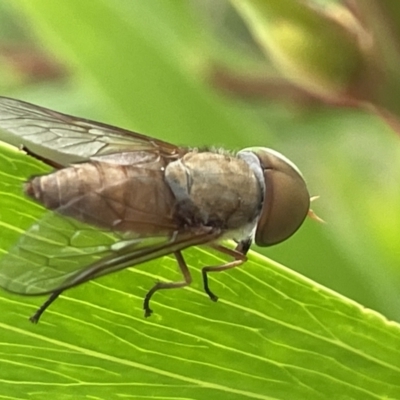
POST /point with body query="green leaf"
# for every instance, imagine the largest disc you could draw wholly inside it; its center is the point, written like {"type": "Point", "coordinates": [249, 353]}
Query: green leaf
{"type": "Point", "coordinates": [273, 334]}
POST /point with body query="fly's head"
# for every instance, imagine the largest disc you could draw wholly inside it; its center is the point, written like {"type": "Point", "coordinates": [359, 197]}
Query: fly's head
{"type": "Point", "coordinates": [286, 199]}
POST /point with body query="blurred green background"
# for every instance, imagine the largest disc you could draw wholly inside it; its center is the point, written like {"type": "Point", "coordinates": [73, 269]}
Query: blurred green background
{"type": "Point", "coordinates": [190, 73]}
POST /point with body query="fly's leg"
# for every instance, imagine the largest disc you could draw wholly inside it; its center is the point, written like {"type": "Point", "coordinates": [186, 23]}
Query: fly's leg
{"type": "Point", "coordinates": [219, 268]}
{"type": "Point", "coordinates": [239, 255]}
{"type": "Point", "coordinates": [35, 317]}
{"type": "Point", "coordinates": [187, 280]}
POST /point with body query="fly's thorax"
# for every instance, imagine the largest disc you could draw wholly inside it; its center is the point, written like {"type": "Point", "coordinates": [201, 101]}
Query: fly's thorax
{"type": "Point", "coordinates": [117, 197]}
{"type": "Point", "coordinates": [214, 189]}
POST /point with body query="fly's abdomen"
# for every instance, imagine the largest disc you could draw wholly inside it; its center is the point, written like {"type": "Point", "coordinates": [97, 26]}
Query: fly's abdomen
{"type": "Point", "coordinates": [61, 188]}
{"type": "Point", "coordinates": [117, 197]}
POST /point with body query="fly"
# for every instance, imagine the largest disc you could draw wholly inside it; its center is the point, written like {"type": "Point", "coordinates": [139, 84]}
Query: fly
{"type": "Point", "coordinates": [146, 197]}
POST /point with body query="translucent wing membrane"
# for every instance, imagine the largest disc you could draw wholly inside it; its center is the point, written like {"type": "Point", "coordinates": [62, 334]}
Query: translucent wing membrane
{"type": "Point", "coordinates": [51, 251]}
{"type": "Point", "coordinates": [60, 252]}
{"type": "Point", "coordinates": [66, 139]}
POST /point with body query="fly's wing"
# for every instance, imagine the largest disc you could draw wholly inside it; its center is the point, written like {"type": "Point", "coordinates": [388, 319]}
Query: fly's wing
{"type": "Point", "coordinates": [65, 139]}
{"type": "Point", "coordinates": [59, 252]}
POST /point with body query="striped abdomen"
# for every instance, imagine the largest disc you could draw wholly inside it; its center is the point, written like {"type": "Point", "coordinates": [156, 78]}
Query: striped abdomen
{"type": "Point", "coordinates": [119, 197]}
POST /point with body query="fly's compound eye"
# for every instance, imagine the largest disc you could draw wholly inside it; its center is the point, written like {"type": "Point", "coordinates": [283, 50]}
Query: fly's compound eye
{"type": "Point", "coordinates": [286, 199]}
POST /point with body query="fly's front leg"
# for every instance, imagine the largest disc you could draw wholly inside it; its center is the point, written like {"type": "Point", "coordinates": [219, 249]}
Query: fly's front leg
{"type": "Point", "coordinates": [239, 255]}
{"type": "Point", "coordinates": [187, 280]}
{"type": "Point", "coordinates": [35, 317]}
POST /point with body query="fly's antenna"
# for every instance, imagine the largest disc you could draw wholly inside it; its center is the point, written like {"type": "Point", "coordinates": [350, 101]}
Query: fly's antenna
{"type": "Point", "coordinates": [312, 214]}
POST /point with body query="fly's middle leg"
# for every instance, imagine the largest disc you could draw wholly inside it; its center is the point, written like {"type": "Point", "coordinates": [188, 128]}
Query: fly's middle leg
{"type": "Point", "coordinates": [187, 280]}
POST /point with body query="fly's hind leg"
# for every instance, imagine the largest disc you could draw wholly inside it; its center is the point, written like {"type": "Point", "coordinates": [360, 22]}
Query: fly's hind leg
{"type": "Point", "coordinates": [35, 317]}
{"type": "Point", "coordinates": [187, 280]}
{"type": "Point", "coordinates": [239, 255]}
